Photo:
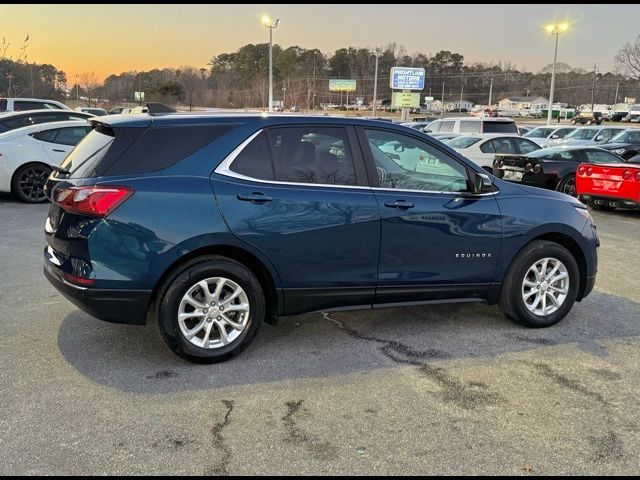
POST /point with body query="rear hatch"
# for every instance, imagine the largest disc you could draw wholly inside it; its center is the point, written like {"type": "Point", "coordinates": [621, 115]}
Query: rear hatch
{"type": "Point", "coordinates": [610, 180]}
{"type": "Point", "coordinates": [518, 168]}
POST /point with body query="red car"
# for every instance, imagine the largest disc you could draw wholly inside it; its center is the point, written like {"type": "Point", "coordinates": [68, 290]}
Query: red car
{"type": "Point", "coordinates": [609, 186]}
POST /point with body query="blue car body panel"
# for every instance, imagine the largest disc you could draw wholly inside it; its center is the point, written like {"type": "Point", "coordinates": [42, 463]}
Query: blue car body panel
{"type": "Point", "coordinates": [323, 247]}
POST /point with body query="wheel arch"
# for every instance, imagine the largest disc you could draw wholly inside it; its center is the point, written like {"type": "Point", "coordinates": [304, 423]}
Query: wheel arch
{"type": "Point", "coordinates": [567, 242]}
{"type": "Point", "coordinates": [273, 294]}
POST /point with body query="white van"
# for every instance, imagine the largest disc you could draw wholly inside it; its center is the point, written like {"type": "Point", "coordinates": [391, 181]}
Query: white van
{"type": "Point", "coordinates": [472, 125]}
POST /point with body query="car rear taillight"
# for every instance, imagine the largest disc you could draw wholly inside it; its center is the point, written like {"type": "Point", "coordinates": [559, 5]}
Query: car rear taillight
{"type": "Point", "coordinates": [637, 176]}
{"type": "Point", "coordinates": [626, 175]}
{"type": "Point", "coordinates": [589, 171]}
{"type": "Point", "coordinates": [95, 201]}
{"type": "Point", "coordinates": [79, 280]}
{"type": "Point", "coordinates": [581, 171]}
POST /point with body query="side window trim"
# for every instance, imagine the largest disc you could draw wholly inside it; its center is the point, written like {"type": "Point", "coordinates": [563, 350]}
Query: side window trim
{"type": "Point", "coordinates": [225, 170]}
{"type": "Point", "coordinates": [374, 180]}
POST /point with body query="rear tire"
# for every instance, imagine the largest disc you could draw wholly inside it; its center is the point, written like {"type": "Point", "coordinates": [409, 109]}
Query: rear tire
{"type": "Point", "coordinates": [568, 185]}
{"type": "Point", "coordinates": [512, 295]}
{"type": "Point", "coordinates": [183, 283]}
{"type": "Point", "coordinates": [28, 182]}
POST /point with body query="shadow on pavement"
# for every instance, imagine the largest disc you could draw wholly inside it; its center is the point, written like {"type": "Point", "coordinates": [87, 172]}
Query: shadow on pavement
{"type": "Point", "coordinates": [133, 359]}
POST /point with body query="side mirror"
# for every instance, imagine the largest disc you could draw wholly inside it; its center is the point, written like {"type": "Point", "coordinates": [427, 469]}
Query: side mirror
{"type": "Point", "coordinates": [599, 138]}
{"type": "Point", "coordinates": [555, 136]}
{"type": "Point", "coordinates": [480, 183]}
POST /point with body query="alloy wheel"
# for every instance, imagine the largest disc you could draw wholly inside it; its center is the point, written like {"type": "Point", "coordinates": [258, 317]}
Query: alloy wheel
{"type": "Point", "coordinates": [31, 183]}
{"type": "Point", "coordinates": [545, 286]}
{"type": "Point", "coordinates": [213, 313]}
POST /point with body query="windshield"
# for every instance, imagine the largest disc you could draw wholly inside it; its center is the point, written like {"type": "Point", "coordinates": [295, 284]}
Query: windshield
{"type": "Point", "coordinates": [462, 142]}
{"type": "Point", "coordinates": [626, 137]}
{"type": "Point", "coordinates": [583, 134]}
{"type": "Point", "coordinates": [539, 133]}
{"type": "Point", "coordinates": [87, 154]}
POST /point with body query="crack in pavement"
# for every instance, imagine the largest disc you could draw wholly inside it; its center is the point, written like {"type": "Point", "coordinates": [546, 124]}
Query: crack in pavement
{"type": "Point", "coordinates": [311, 443]}
{"type": "Point", "coordinates": [221, 467]}
{"type": "Point", "coordinates": [465, 395]}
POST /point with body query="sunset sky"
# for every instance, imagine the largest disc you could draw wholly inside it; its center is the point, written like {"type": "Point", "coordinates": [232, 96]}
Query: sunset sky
{"type": "Point", "coordinates": [109, 39]}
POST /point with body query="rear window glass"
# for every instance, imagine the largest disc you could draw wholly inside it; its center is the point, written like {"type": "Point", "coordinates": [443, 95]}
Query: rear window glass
{"type": "Point", "coordinates": [161, 147]}
{"type": "Point", "coordinates": [462, 142]}
{"type": "Point", "coordinates": [499, 127]}
{"type": "Point", "coordinates": [84, 158]}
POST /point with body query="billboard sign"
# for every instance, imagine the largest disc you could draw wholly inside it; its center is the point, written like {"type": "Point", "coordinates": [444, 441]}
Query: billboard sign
{"type": "Point", "coordinates": [407, 78]}
{"type": "Point", "coordinates": [138, 96]}
{"type": "Point", "coordinates": [405, 100]}
{"type": "Point", "coordinates": [342, 85]}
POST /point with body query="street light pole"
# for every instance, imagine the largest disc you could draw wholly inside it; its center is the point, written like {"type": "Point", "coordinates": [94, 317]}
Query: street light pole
{"type": "Point", "coordinates": [375, 83]}
{"type": "Point", "coordinates": [268, 24]}
{"type": "Point", "coordinates": [557, 30]}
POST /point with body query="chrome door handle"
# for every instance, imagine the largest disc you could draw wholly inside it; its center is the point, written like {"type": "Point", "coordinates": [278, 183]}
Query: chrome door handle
{"type": "Point", "coordinates": [401, 204]}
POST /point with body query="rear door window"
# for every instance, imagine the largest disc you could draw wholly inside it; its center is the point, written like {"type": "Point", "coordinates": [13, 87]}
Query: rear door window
{"type": "Point", "coordinates": [499, 145]}
{"type": "Point", "coordinates": [71, 135]}
{"type": "Point", "coordinates": [19, 105]}
{"type": "Point", "coordinates": [255, 160]}
{"type": "Point", "coordinates": [469, 126]}
{"type": "Point", "coordinates": [446, 126]}
{"type": "Point", "coordinates": [46, 136]}
{"type": "Point", "coordinates": [525, 146]}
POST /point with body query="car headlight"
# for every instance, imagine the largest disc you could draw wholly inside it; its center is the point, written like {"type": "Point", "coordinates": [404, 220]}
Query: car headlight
{"type": "Point", "coordinates": [619, 151]}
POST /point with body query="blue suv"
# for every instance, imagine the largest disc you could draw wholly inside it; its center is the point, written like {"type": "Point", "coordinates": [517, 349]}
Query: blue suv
{"type": "Point", "coordinates": [208, 225]}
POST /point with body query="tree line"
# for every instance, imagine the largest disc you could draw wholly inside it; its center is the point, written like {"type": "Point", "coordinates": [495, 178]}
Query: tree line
{"type": "Point", "coordinates": [301, 77]}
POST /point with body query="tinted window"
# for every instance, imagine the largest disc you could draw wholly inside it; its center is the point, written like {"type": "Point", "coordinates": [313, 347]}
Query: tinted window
{"type": "Point", "coordinates": [500, 145]}
{"type": "Point", "coordinates": [46, 136]}
{"type": "Point", "coordinates": [563, 132]}
{"type": "Point", "coordinates": [405, 163]}
{"type": "Point", "coordinates": [556, 154]}
{"type": "Point", "coordinates": [469, 126]}
{"type": "Point", "coordinates": [525, 146]}
{"type": "Point", "coordinates": [601, 156]}
{"type": "Point", "coordinates": [49, 117]}
{"type": "Point", "coordinates": [3, 105]}
{"type": "Point", "coordinates": [161, 147]}
{"type": "Point", "coordinates": [21, 105]}
{"type": "Point", "coordinates": [318, 155]}
{"type": "Point", "coordinates": [499, 127]}
{"type": "Point", "coordinates": [627, 137]}
{"type": "Point", "coordinates": [255, 160]}
{"type": "Point", "coordinates": [71, 135]}
{"type": "Point", "coordinates": [21, 121]}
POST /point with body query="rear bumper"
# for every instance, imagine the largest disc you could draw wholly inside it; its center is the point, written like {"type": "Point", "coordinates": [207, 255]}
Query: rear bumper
{"type": "Point", "coordinates": [610, 200]}
{"type": "Point", "coordinates": [117, 306]}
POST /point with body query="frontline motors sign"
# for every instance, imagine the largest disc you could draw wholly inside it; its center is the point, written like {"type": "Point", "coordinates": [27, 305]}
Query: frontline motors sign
{"type": "Point", "coordinates": [406, 78]}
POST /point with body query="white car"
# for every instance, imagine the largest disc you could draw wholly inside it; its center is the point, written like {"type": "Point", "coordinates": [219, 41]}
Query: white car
{"type": "Point", "coordinates": [482, 149]}
{"type": "Point", "coordinates": [21, 104]}
{"type": "Point", "coordinates": [26, 155]}
{"type": "Point", "coordinates": [544, 135]}
{"type": "Point", "coordinates": [472, 125]}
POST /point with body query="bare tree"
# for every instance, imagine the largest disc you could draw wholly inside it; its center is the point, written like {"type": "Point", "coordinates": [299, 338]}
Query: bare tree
{"type": "Point", "coordinates": [22, 57]}
{"type": "Point", "coordinates": [90, 82]}
{"type": "Point", "coordinates": [628, 58]}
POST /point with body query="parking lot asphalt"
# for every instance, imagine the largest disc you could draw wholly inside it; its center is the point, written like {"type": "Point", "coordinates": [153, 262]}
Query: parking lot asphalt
{"type": "Point", "coordinates": [452, 389]}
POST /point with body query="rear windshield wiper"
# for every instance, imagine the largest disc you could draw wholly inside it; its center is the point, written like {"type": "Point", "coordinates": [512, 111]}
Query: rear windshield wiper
{"type": "Point", "coordinates": [60, 169]}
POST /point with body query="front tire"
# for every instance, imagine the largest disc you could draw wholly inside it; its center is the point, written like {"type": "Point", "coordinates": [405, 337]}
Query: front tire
{"type": "Point", "coordinates": [541, 285]}
{"type": "Point", "coordinates": [210, 309]}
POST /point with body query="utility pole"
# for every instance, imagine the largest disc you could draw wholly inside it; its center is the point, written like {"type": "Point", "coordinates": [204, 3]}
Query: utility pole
{"type": "Point", "coordinates": [31, 69]}
{"type": "Point", "coordinates": [461, 92]}
{"type": "Point", "coordinates": [313, 95]}
{"type": "Point", "coordinates": [442, 107]}
{"type": "Point", "coordinates": [617, 85]}
{"type": "Point", "coordinates": [375, 84]}
{"type": "Point", "coordinates": [593, 86]}
{"type": "Point", "coordinates": [490, 92]}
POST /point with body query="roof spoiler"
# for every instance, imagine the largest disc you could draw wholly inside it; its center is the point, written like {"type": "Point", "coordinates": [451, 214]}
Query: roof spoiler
{"type": "Point", "coordinates": [154, 107]}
